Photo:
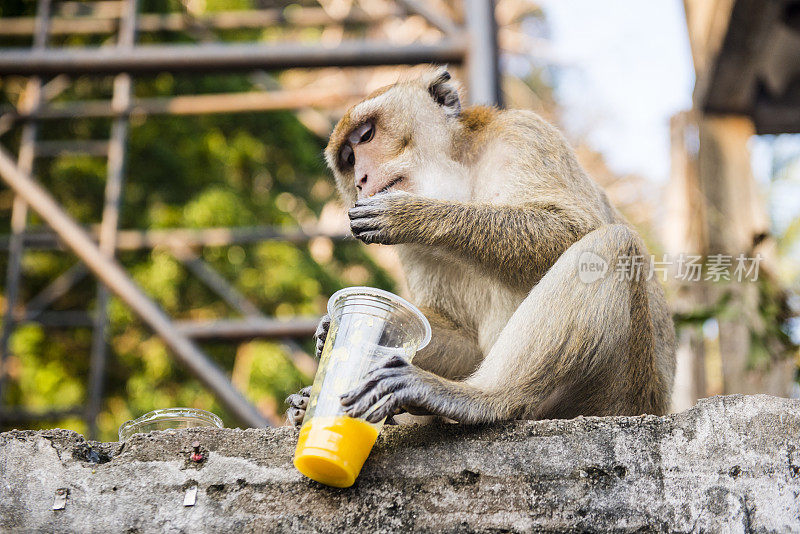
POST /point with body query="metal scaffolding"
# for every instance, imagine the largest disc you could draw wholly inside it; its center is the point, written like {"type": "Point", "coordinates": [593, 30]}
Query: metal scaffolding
{"type": "Point", "coordinates": [472, 44]}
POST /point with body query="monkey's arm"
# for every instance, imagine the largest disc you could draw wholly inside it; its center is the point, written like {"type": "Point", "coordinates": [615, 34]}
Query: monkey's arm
{"type": "Point", "coordinates": [518, 243]}
{"type": "Point", "coordinates": [571, 348]}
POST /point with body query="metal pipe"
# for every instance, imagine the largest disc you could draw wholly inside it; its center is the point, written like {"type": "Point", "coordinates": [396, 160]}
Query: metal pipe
{"type": "Point", "coordinates": [19, 209]}
{"type": "Point", "coordinates": [52, 149]}
{"type": "Point", "coordinates": [190, 105]}
{"type": "Point", "coordinates": [115, 180]}
{"type": "Point", "coordinates": [55, 290]}
{"type": "Point", "coordinates": [248, 328]}
{"type": "Point", "coordinates": [190, 237]}
{"type": "Point", "coordinates": [215, 281]}
{"type": "Point", "coordinates": [228, 20]}
{"type": "Point", "coordinates": [227, 57]}
{"type": "Point", "coordinates": [431, 16]}
{"type": "Point", "coordinates": [58, 319]}
{"type": "Point", "coordinates": [114, 277]}
{"type": "Point", "coordinates": [482, 62]}
{"type": "Point", "coordinates": [17, 416]}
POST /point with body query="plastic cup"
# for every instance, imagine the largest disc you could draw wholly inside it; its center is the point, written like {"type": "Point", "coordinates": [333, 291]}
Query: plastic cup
{"type": "Point", "coordinates": [169, 418]}
{"type": "Point", "coordinates": [367, 324]}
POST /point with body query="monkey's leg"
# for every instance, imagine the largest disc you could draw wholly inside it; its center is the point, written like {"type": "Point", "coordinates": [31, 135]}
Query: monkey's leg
{"type": "Point", "coordinates": [570, 348]}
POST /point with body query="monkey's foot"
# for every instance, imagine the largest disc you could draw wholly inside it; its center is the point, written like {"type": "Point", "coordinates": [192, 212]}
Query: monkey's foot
{"type": "Point", "coordinates": [393, 386]}
{"type": "Point", "coordinates": [322, 333]}
{"type": "Point", "coordinates": [298, 403]}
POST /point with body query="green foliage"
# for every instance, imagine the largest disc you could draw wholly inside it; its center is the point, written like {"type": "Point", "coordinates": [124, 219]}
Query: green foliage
{"type": "Point", "coordinates": [182, 172]}
{"type": "Point", "coordinates": [43, 372]}
{"type": "Point", "coordinates": [770, 340]}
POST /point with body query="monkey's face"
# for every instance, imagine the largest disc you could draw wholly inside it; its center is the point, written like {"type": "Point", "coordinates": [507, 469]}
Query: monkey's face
{"type": "Point", "coordinates": [378, 157]}
{"type": "Point", "coordinates": [395, 139]}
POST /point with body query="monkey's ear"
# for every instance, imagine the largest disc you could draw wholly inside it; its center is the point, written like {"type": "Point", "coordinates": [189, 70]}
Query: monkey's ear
{"type": "Point", "coordinates": [445, 92]}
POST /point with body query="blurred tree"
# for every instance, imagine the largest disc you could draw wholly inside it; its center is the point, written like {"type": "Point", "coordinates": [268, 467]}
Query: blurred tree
{"type": "Point", "coordinates": [220, 171]}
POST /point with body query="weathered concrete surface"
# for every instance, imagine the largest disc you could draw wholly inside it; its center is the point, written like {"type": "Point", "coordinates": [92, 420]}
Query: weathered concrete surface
{"type": "Point", "coordinates": [731, 464]}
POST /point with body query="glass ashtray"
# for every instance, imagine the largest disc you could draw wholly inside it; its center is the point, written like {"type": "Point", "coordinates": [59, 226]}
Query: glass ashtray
{"type": "Point", "coordinates": [167, 419]}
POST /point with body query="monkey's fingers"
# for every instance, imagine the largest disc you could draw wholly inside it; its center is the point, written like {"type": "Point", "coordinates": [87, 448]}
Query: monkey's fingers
{"type": "Point", "coordinates": [369, 238]}
{"type": "Point", "coordinates": [322, 333]}
{"type": "Point", "coordinates": [299, 399]}
{"type": "Point", "coordinates": [388, 368]}
{"type": "Point", "coordinates": [368, 207]}
{"type": "Point", "coordinates": [369, 230]}
{"type": "Point", "coordinates": [389, 407]}
{"type": "Point", "coordinates": [295, 416]}
{"type": "Point", "coordinates": [389, 375]}
{"type": "Point", "coordinates": [298, 402]}
{"type": "Point", "coordinates": [370, 383]}
{"type": "Point", "coordinates": [358, 402]}
{"type": "Point", "coordinates": [403, 399]}
{"type": "Point", "coordinates": [368, 222]}
{"type": "Point", "coordinates": [351, 397]}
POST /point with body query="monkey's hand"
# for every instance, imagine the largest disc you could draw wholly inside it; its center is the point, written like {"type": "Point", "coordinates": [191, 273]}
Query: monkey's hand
{"type": "Point", "coordinates": [297, 406]}
{"type": "Point", "coordinates": [384, 218]}
{"type": "Point", "coordinates": [299, 401]}
{"type": "Point", "coordinates": [394, 385]}
{"type": "Point", "coordinates": [321, 334]}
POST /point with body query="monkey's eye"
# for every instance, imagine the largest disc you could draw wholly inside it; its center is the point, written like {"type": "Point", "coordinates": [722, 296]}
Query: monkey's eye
{"type": "Point", "coordinates": [347, 156]}
{"type": "Point", "coordinates": [362, 134]}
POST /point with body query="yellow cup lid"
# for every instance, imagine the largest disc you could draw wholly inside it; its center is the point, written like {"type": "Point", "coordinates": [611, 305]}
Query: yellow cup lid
{"type": "Point", "coordinates": [326, 467]}
{"type": "Point", "coordinates": [333, 450]}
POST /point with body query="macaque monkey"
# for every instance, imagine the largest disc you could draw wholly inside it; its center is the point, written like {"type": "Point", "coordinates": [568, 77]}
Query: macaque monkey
{"type": "Point", "coordinates": [493, 219]}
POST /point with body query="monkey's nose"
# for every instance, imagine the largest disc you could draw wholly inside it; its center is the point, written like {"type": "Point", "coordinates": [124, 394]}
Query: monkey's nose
{"type": "Point", "coordinates": [361, 182]}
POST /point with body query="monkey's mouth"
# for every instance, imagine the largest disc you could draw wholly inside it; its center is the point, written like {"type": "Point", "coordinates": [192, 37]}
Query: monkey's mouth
{"type": "Point", "coordinates": [390, 184]}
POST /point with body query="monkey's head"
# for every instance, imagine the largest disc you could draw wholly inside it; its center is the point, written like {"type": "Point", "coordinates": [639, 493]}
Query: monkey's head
{"type": "Point", "coordinates": [398, 139]}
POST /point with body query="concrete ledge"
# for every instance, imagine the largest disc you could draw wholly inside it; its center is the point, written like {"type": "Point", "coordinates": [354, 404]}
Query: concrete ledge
{"type": "Point", "coordinates": [730, 464]}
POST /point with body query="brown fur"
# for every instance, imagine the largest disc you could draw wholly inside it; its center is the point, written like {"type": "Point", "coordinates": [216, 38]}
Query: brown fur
{"type": "Point", "coordinates": [476, 118]}
{"type": "Point", "coordinates": [491, 212]}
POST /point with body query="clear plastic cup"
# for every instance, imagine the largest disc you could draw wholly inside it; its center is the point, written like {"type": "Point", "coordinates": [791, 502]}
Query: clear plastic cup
{"type": "Point", "coordinates": [367, 325]}
{"type": "Point", "coordinates": [169, 418]}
